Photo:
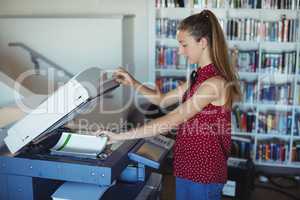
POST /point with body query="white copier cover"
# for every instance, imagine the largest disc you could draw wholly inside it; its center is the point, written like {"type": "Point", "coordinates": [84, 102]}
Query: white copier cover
{"type": "Point", "coordinates": [60, 107]}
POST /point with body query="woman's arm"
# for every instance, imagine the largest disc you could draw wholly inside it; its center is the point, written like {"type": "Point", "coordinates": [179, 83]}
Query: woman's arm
{"type": "Point", "coordinates": [10, 114]}
{"type": "Point", "coordinates": [153, 95]}
{"type": "Point", "coordinates": [160, 99]}
{"type": "Point", "coordinates": [211, 90]}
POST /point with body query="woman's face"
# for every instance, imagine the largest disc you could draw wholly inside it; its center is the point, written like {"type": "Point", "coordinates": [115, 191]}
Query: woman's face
{"type": "Point", "coordinates": [189, 47]}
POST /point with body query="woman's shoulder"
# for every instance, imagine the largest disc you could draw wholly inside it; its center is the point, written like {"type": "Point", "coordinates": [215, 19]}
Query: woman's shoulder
{"type": "Point", "coordinates": [217, 80]}
{"type": "Point", "coordinates": [219, 85]}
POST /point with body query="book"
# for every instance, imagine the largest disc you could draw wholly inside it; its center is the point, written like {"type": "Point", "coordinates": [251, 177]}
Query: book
{"type": "Point", "coordinates": [279, 62]}
{"type": "Point", "coordinates": [247, 60]}
{"type": "Point", "coordinates": [166, 84]}
{"type": "Point", "coordinates": [252, 29]}
{"type": "Point", "coordinates": [171, 3]}
{"type": "Point", "coordinates": [276, 93]}
{"type": "Point", "coordinates": [168, 58]}
{"type": "Point", "coordinates": [77, 145]}
{"type": "Point", "coordinates": [166, 27]}
{"type": "Point", "coordinates": [248, 89]}
{"type": "Point", "coordinates": [244, 120]}
{"type": "Point", "coordinates": [272, 122]}
{"type": "Point", "coordinates": [297, 124]}
{"type": "Point", "coordinates": [273, 150]}
{"type": "Point", "coordinates": [241, 147]}
{"type": "Point", "coordinates": [298, 89]}
{"type": "Point", "coordinates": [296, 151]}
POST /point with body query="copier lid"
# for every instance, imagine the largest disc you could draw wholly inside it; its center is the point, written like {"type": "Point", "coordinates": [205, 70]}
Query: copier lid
{"type": "Point", "coordinates": [78, 94]}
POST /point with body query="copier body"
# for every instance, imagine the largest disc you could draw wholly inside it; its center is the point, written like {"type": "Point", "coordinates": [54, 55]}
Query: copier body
{"type": "Point", "coordinates": [28, 170]}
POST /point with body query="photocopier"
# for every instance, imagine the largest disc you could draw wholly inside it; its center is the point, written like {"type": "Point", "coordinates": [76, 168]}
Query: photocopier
{"type": "Point", "coordinates": [28, 170]}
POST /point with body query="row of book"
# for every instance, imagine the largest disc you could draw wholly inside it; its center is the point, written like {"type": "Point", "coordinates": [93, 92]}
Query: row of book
{"type": "Point", "coordinates": [284, 30]}
{"type": "Point", "coordinates": [168, 58]}
{"type": "Point", "coordinates": [271, 122]}
{"type": "Point", "coordinates": [284, 62]}
{"type": "Point", "coordinates": [207, 3]}
{"type": "Point", "coordinates": [296, 151]}
{"type": "Point", "coordinates": [276, 93]}
{"type": "Point", "coordinates": [280, 94]}
{"type": "Point", "coordinates": [243, 120]}
{"type": "Point", "coordinates": [272, 151]}
{"type": "Point", "coordinates": [271, 62]}
{"type": "Point", "coordinates": [189, 3]}
{"type": "Point", "coordinates": [171, 3]}
{"type": "Point", "coordinates": [166, 84]}
{"type": "Point", "coordinates": [297, 124]}
{"type": "Point", "coordinates": [245, 29]}
{"type": "Point", "coordinates": [166, 27]}
{"type": "Point", "coordinates": [241, 147]}
{"type": "Point", "coordinates": [248, 89]}
{"type": "Point", "coordinates": [250, 29]}
{"type": "Point", "coordinates": [266, 4]}
{"type": "Point", "coordinates": [298, 89]}
{"type": "Point", "coordinates": [247, 60]}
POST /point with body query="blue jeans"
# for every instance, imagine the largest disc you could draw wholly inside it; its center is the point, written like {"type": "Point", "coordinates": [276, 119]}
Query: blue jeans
{"type": "Point", "coordinates": [189, 190]}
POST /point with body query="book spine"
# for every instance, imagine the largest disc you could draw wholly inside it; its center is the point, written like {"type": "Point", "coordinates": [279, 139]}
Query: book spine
{"type": "Point", "coordinates": [168, 58]}
{"type": "Point", "coordinates": [271, 150]}
{"type": "Point", "coordinates": [165, 84]}
{"type": "Point", "coordinates": [283, 30]}
{"type": "Point", "coordinates": [244, 119]}
{"type": "Point", "coordinates": [241, 148]}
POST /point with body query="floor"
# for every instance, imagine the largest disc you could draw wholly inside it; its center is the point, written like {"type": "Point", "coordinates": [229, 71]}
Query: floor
{"type": "Point", "coordinates": [262, 191]}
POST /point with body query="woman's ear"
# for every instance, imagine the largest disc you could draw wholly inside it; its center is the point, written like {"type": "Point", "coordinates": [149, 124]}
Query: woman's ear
{"type": "Point", "coordinates": [203, 42]}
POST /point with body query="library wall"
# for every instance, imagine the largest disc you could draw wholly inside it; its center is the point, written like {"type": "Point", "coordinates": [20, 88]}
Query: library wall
{"type": "Point", "coordinates": [82, 7]}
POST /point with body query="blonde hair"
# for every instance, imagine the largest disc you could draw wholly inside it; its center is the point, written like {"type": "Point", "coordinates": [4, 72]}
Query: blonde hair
{"type": "Point", "coordinates": [205, 24]}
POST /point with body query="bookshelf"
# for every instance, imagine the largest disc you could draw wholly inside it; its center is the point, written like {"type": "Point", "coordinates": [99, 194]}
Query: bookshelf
{"type": "Point", "coordinates": [268, 61]}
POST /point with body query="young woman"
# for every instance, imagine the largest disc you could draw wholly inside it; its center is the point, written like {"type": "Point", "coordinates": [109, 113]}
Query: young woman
{"type": "Point", "coordinates": [203, 117]}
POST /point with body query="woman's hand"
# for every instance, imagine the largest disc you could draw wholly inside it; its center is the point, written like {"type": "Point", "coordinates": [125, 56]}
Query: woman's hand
{"type": "Point", "coordinates": [123, 77]}
{"type": "Point", "coordinates": [112, 137]}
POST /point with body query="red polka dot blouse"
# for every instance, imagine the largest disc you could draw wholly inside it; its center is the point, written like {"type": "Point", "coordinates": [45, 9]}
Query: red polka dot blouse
{"type": "Point", "coordinates": [203, 142]}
